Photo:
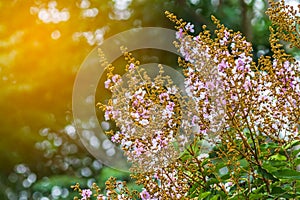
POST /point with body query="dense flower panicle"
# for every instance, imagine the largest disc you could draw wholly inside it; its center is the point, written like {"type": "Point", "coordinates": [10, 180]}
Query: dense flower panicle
{"type": "Point", "coordinates": [286, 20]}
{"type": "Point", "coordinates": [277, 102]}
{"type": "Point", "coordinates": [258, 99]}
{"type": "Point", "coordinates": [168, 133]}
{"type": "Point", "coordinates": [114, 190]}
{"type": "Point", "coordinates": [215, 67]}
{"type": "Point", "coordinates": [156, 122]}
{"type": "Point", "coordinates": [153, 116]}
{"type": "Point", "coordinates": [229, 109]}
{"type": "Point", "coordinates": [231, 94]}
{"type": "Point", "coordinates": [165, 183]}
{"type": "Point", "coordinates": [241, 82]}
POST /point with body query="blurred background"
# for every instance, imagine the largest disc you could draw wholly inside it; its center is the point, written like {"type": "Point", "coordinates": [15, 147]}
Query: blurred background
{"type": "Point", "coordinates": [42, 45]}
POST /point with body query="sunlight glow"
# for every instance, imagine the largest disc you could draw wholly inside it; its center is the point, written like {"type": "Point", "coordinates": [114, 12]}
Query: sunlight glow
{"type": "Point", "coordinates": [121, 10]}
{"type": "Point", "coordinates": [51, 14]}
{"type": "Point", "coordinates": [85, 4]}
{"type": "Point", "coordinates": [92, 12]}
{"type": "Point", "coordinates": [55, 35]}
{"type": "Point", "coordinates": [87, 12]}
{"type": "Point", "coordinates": [92, 37]}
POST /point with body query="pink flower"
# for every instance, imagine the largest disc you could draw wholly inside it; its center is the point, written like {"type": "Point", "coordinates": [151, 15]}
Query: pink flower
{"type": "Point", "coordinates": [226, 34]}
{"type": "Point", "coordinates": [195, 120]}
{"type": "Point", "coordinates": [116, 78]}
{"type": "Point", "coordinates": [163, 96]}
{"type": "Point", "coordinates": [108, 113]}
{"type": "Point", "coordinates": [222, 66]}
{"type": "Point", "coordinates": [240, 63]}
{"type": "Point", "coordinates": [247, 85]}
{"type": "Point", "coordinates": [224, 40]}
{"type": "Point", "coordinates": [86, 194]}
{"type": "Point", "coordinates": [139, 150]}
{"type": "Point", "coordinates": [107, 83]}
{"type": "Point", "coordinates": [172, 90]}
{"type": "Point", "coordinates": [228, 185]}
{"type": "Point", "coordinates": [170, 106]}
{"type": "Point", "coordinates": [131, 66]}
{"type": "Point", "coordinates": [116, 137]}
{"type": "Point", "coordinates": [190, 27]}
{"type": "Point", "coordinates": [179, 34]}
{"type": "Point", "coordinates": [145, 195]}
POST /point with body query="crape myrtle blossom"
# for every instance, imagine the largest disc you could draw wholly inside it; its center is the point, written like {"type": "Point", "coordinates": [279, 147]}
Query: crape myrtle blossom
{"type": "Point", "coordinates": [113, 190]}
{"type": "Point", "coordinates": [86, 194]}
{"type": "Point", "coordinates": [190, 27]}
{"type": "Point", "coordinates": [260, 99]}
{"type": "Point", "coordinates": [145, 195]}
{"type": "Point", "coordinates": [220, 78]}
{"type": "Point", "coordinates": [226, 86]}
{"type": "Point", "coordinates": [114, 79]}
{"type": "Point", "coordinates": [149, 113]}
{"type": "Point", "coordinates": [131, 66]}
{"type": "Point", "coordinates": [155, 124]}
{"type": "Point", "coordinates": [277, 102]}
{"type": "Point", "coordinates": [165, 183]}
{"type": "Point", "coordinates": [218, 138]}
{"type": "Point", "coordinates": [237, 80]}
{"type": "Point", "coordinates": [136, 113]}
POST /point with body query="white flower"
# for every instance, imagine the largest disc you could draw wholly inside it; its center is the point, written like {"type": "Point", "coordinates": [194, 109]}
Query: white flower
{"type": "Point", "coordinates": [190, 27]}
{"type": "Point", "coordinates": [144, 122]}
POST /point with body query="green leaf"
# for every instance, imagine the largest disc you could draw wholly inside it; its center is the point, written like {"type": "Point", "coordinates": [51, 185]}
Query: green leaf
{"type": "Point", "coordinates": [219, 164]}
{"type": "Point", "coordinates": [292, 144]}
{"type": "Point", "coordinates": [194, 190]}
{"type": "Point", "coordinates": [295, 152]}
{"type": "Point", "coordinates": [133, 186]}
{"type": "Point", "coordinates": [256, 196]}
{"type": "Point", "coordinates": [266, 174]}
{"type": "Point", "coordinates": [204, 195]}
{"type": "Point", "coordinates": [244, 163]}
{"type": "Point", "coordinates": [270, 145]}
{"type": "Point", "coordinates": [212, 181]}
{"type": "Point", "coordinates": [297, 161]}
{"type": "Point", "coordinates": [287, 174]}
{"type": "Point", "coordinates": [277, 190]}
{"type": "Point", "coordinates": [215, 197]}
{"type": "Point", "coordinates": [278, 157]}
{"type": "Point", "coordinates": [287, 187]}
{"type": "Point", "coordinates": [225, 177]}
{"type": "Point", "coordinates": [274, 165]}
{"type": "Point", "coordinates": [185, 156]}
{"type": "Point", "coordinates": [269, 167]}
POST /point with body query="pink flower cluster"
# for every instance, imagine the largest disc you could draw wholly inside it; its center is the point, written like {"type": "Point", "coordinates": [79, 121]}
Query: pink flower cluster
{"type": "Point", "coordinates": [236, 85]}
{"type": "Point", "coordinates": [113, 80]}
{"type": "Point", "coordinates": [136, 128]}
{"type": "Point", "coordinates": [150, 116]}
{"type": "Point", "coordinates": [140, 107]}
{"type": "Point", "coordinates": [222, 83]}
{"type": "Point", "coordinates": [165, 181]}
{"type": "Point", "coordinates": [86, 194]}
